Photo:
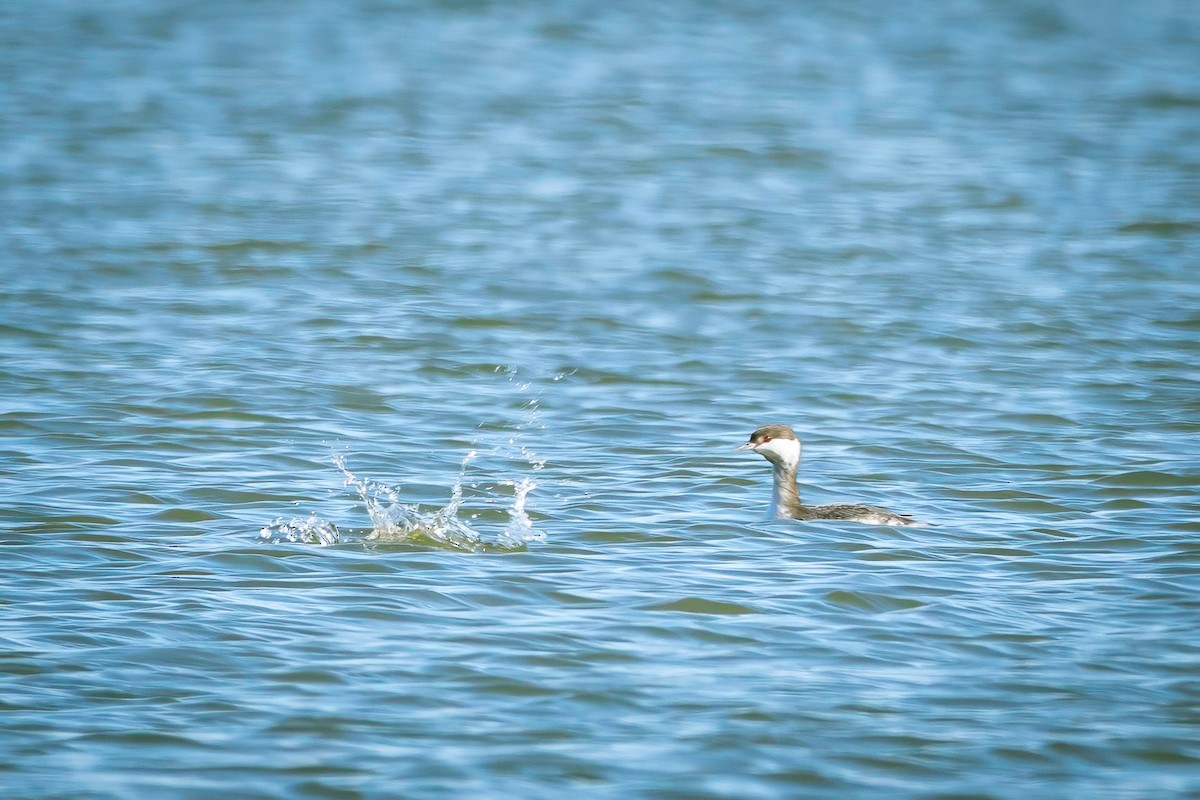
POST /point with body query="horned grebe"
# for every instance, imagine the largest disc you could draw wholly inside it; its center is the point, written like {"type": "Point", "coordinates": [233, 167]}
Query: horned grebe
{"type": "Point", "coordinates": [779, 445]}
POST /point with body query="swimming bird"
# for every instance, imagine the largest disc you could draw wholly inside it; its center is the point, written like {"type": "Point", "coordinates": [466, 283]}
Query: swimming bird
{"type": "Point", "coordinates": [779, 445]}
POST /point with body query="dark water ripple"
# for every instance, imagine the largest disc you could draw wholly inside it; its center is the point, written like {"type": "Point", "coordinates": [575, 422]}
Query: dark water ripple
{"type": "Point", "coordinates": [954, 245]}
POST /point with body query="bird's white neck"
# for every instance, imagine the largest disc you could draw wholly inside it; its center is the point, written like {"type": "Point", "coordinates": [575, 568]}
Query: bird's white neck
{"type": "Point", "coordinates": [784, 455]}
{"type": "Point", "coordinates": [784, 494]}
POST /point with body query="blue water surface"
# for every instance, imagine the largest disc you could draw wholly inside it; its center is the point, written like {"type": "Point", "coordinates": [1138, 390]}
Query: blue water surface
{"type": "Point", "coordinates": [370, 375]}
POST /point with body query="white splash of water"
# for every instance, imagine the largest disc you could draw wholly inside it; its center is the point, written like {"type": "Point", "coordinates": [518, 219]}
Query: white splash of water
{"type": "Point", "coordinates": [520, 530]}
{"type": "Point", "coordinates": [533, 419]}
{"type": "Point", "coordinates": [301, 530]}
{"type": "Point", "coordinates": [395, 521]}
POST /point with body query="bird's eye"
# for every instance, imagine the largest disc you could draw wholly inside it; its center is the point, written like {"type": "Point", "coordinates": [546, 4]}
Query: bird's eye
{"type": "Point", "coordinates": [766, 439]}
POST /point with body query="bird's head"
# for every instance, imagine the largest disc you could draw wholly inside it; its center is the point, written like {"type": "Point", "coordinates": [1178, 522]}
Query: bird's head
{"type": "Point", "coordinates": [776, 443]}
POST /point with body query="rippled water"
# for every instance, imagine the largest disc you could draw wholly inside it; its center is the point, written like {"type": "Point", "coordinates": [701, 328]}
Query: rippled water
{"type": "Point", "coordinates": [372, 372]}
